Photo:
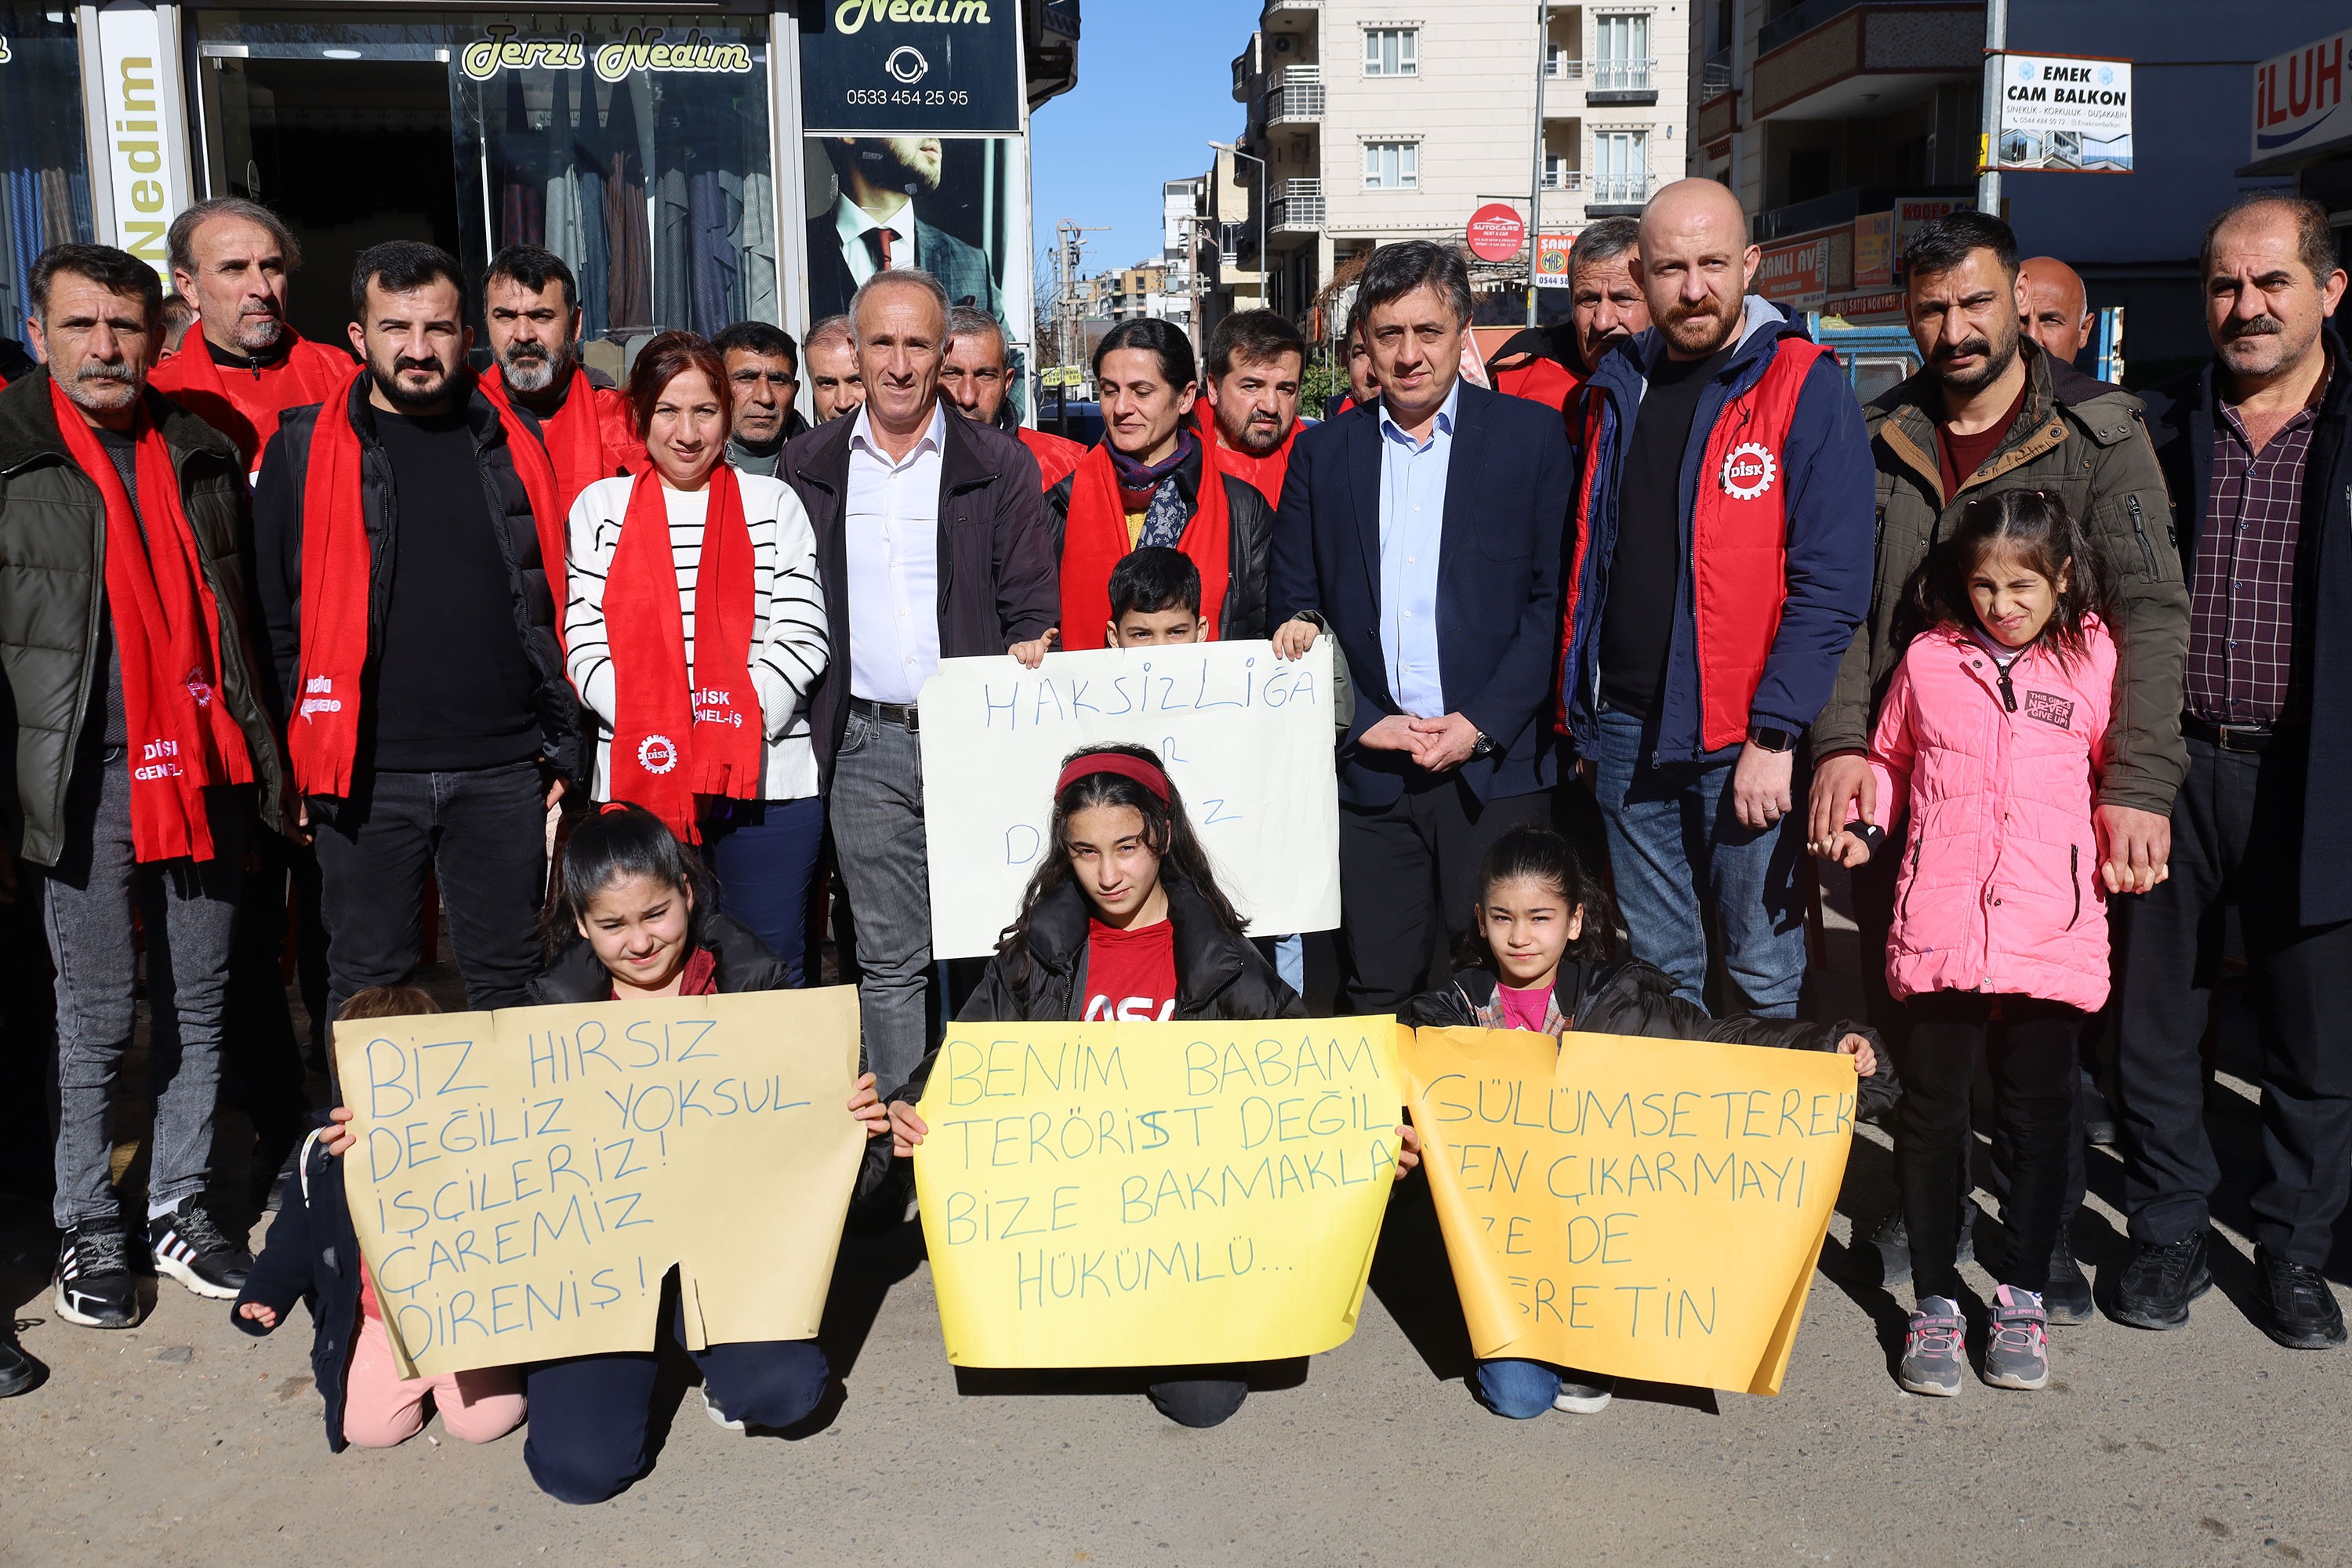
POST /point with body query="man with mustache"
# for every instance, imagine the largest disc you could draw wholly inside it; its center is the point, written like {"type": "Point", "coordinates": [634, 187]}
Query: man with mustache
{"type": "Point", "coordinates": [873, 225]}
{"type": "Point", "coordinates": [973, 379]}
{"type": "Point", "coordinates": [1606, 307]}
{"type": "Point", "coordinates": [1991, 411]}
{"type": "Point", "coordinates": [135, 726]}
{"type": "Point", "coordinates": [763, 383]}
{"type": "Point", "coordinates": [2257, 447]}
{"type": "Point", "coordinates": [1721, 531]}
{"type": "Point", "coordinates": [412, 649]}
{"type": "Point", "coordinates": [532, 306]}
{"type": "Point", "coordinates": [234, 260]}
{"type": "Point", "coordinates": [1256, 360]}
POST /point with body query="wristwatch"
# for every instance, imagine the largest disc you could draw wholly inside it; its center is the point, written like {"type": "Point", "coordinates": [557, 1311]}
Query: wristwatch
{"type": "Point", "coordinates": [1771, 738]}
{"type": "Point", "coordinates": [1484, 746]}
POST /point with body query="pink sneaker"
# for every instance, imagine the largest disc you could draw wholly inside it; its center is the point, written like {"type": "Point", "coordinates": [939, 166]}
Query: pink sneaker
{"type": "Point", "coordinates": [2017, 1348]}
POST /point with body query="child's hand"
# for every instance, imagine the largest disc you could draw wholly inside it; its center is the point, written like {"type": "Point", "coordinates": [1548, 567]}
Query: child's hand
{"type": "Point", "coordinates": [1865, 1060]}
{"type": "Point", "coordinates": [907, 1129]}
{"type": "Point", "coordinates": [1032, 653]}
{"type": "Point", "coordinates": [1294, 637]}
{"type": "Point", "coordinates": [1408, 1149]}
{"type": "Point", "coordinates": [866, 1105]}
{"type": "Point", "coordinates": [1844, 849]}
{"type": "Point", "coordinates": [255, 1312]}
{"type": "Point", "coordinates": [337, 1139]}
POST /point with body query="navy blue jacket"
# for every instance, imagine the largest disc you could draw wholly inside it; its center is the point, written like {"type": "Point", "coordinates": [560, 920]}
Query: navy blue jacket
{"type": "Point", "coordinates": [1509, 485]}
{"type": "Point", "coordinates": [2181, 423]}
{"type": "Point", "coordinates": [1831, 512]}
{"type": "Point", "coordinates": [312, 1255]}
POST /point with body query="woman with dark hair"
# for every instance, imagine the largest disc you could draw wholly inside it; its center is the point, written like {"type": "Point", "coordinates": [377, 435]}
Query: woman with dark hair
{"type": "Point", "coordinates": [1543, 955]}
{"type": "Point", "coordinates": [1124, 921]}
{"type": "Point", "coordinates": [695, 633]}
{"type": "Point", "coordinates": [1154, 481]}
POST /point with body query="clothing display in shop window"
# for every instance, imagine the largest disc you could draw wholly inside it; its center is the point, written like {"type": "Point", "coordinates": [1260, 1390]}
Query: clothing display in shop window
{"type": "Point", "coordinates": [521, 218]}
{"type": "Point", "coordinates": [715, 240]}
{"type": "Point", "coordinates": [673, 299]}
{"type": "Point", "coordinates": [763, 296]}
{"type": "Point", "coordinates": [630, 289]}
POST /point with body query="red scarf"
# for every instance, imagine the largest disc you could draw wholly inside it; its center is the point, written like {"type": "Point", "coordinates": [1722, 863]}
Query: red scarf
{"type": "Point", "coordinates": [1264, 474]}
{"type": "Point", "coordinates": [338, 566]}
{"type": "Point", "coordinates": [675, 734]}
{"type": "Point", "coordinates": [1095, 539]}
{"type": "Point", "coordinates": [167, 636]}
{"type": "Point", "coordinates": [246, 406]}
{"type": "Point", "coordinates": [582, 441]}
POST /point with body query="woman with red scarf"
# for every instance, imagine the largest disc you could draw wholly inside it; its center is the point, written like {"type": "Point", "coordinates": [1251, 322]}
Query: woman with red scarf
{"type": "Point", "coordinates": [1155, 480]}
{"type": "Point", "coordinates": [695, 631]}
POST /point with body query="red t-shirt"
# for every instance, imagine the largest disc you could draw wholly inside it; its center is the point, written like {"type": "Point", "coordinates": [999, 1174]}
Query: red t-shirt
{"type": "Point", "coordinates": [1961, 456]}
{"type": "Point", "coordinates": [1131, 974]}
{"type": "Point", "coordinates": [1524, 1009]}
{"type": "Point", "coordinates": [701, 977]}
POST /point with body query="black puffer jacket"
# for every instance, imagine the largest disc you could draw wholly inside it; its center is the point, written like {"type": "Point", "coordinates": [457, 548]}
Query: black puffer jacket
{"type": "Point", "coordinates": [1626, 996]}
{"type": "Point", "coordinates": [53, 591]}
{"type": "Point", "coordinates": [311, 1255]}
{"type": "Point", "coordinates": [743, 960]}
{"type": "Point", "coordinates": [1218, 974]}
{"type": "Point", "coordinates": [278, 562]}
{"type": "Point", "coordinates": [1249, 531]}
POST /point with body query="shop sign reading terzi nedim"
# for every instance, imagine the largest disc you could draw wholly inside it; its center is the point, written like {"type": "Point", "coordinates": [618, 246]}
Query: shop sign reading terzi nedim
{"type": "Point", "coordinates": [911, 65]}
{"type": "Point", "coordinates": [644, 49]}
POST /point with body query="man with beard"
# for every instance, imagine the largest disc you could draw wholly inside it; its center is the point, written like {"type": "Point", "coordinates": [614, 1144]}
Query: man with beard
{"type": "Point", "coordinates": [836, 384]}
{"type": "Point", "coordinates": [2257, 447]}
{"type": "Point", "coordinates": [586, 431]}
{"type": "Point", "coordinates": [1257, 360]}
{"type": "Point", "coordinates": [763, 382]}
{"type": "Point", "coordinates": [233, 259]}
{"type": "Point", "coordinates": [412, 644]}
{"type": "Point", "coordinates": [873, 225]}
{"type": "Point", "coordinates": [135, 720]}
{"type": "Point", "coordinates": [1990, 411]}
{"type": "Point", "coordinates": [972, 378]}
{"type": "Point", "coordinates": [1722, 527]}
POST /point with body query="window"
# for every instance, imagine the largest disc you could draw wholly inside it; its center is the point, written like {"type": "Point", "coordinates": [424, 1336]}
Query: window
{"type": "Point", "coordinates": [1391, 165]}
{"type": "Point", "coordinates": [1624, 53]}
{"type": "Point", "coordinates": [1392, 51]}
{"type": "Point", "coordinates": [1621, 167]}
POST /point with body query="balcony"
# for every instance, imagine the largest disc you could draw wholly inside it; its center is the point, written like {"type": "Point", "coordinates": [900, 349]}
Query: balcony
{"type": "Point", "coordinates": [1799, 20]}
{"type": "Point", "coordinates": [1839, 207]}
{"type": "Point", "coordinates": [1296, 96]}
{"type": "Point", "coordinates": [1830, 59]}
{"type": "Point", "coordinates": [1616, 195]}
{"type": "Point", "coordinates": [1620, 81]}
{"type": "Point", "coordinates": [1563, 179]}
{"type": "Point", "coordinates": [1290, 15]}
{"type": "Point", "coordinates": [1558, 67]}
{"type": "Point", "coordinates": [1715, 76]}
{"type": "Point", "coordinates": [1295, 207]}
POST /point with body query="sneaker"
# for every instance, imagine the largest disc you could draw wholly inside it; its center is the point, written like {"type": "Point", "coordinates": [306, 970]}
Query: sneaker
{"type": "Point", "coordinates": [717, 1417]}
{"type": "Point", "coordinates": [94, 1285]}
{"type": "Point", "coordinates": [2017, 1343]}
{"type": "Point", "coordinates": [2161, 1281]}
{"type": "Point", "coordinates": [2098, 1117]}
{"type": "Point", "coordinates": [191, 1248]}
{"type": "Point", "coordinates": [2068, 1298]}
{"type": "Point", "coordinates": [18, 1372]}
{"type": "Point", "coordinates": [1584, 1393]}
{"type": "Point", "coordinates": [1935, 1351]}
{"type": "Point", "coordinates": [2298, 1309]}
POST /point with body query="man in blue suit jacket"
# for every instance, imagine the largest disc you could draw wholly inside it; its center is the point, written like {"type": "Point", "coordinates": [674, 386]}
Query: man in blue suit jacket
{"type": "Point", "coordinates": [1424, 532]}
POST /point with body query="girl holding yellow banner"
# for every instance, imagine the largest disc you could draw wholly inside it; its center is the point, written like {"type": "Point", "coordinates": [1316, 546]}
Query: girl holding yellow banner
{"type": "Point", "coordinates": [1545, 959]}
{"type": "Point", "coordinates": [1124, 921]}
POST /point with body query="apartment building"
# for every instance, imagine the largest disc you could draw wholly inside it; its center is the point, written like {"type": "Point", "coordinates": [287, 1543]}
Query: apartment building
{"type": "Point", "coordinates": [1371, 121]}
{"type": "Point", "coordinates": [1844, 123]}
{"type": "Point", "coordinates": [1149, 289]}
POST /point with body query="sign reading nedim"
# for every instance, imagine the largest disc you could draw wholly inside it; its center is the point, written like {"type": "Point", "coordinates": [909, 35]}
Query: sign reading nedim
{"type": "Point", "coordinates": [1246, 736]}
{"type": "Point", "coordinates": [1155, 1195]}
{"type": "Point", "coordinates": [524, 1179]}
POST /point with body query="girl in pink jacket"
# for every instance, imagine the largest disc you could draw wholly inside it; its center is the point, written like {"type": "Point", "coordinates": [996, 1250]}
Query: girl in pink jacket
{"type": "Point", "coordinates": [1991, 739]}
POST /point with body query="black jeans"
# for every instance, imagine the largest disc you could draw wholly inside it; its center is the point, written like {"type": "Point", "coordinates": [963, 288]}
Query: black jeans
{"type": "Point", "coordinates": [1408, 870]}
{"type": "Point", "coordinates": [483, 835]}
{"type": "Point", "coordinates": [2237, 835]}
{"type": "Point", "coordinates": [2029, 1044]}
{"type": "Point", "coordinates": [263, 1061]}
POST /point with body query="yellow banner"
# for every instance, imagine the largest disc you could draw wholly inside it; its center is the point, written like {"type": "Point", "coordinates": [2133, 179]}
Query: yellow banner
{"type": "Point", "coordinates": [1155, 1195]}
{"type": "Point", "coordinates": [524, 1179]}
{"type": "Point", "coordinates": [1643, 1208]}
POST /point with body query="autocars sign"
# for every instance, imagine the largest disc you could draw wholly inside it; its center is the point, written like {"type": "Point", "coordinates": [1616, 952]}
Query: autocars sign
{"type": "Point", "coordinates": [1497, 231]}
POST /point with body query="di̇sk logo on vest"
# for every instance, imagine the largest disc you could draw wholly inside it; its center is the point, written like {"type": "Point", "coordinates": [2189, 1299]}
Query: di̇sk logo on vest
{"type": "Point", "coordinates": [657, 754]}
{"type": "Point", "coordinates": [1748, 471]}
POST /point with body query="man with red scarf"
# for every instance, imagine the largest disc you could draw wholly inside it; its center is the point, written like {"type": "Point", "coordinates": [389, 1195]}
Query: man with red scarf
{"type": "Point", "coordinates": [1154, 481]}
{"type": "Point", "coordinates": [974, 374]}
{"type": "Point", "coordinates": [1257, 360]}
{"type": "Point", "coordinates": [234, 259]}
{"type": "Point", "coordinates": [412, 642]}
{"type": "Point", "coordinates": [584, 432]}
{"type": "Point", "coordinates": [134, 730]}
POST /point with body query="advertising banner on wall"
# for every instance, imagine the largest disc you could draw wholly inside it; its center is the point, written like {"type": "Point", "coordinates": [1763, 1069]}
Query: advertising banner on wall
{"type": "Point", "coordinates": [1551, 259]}
{"type": "Point", "coordinates": [1796, 273]}
{"type": "Point", "coordinates": [146, 172]}
{"type": "Point", "coordinates": [912, 65]}
{"type": "Point", "coordinates": [2299, 99]}
{"type": "Point", "coordinates": [2063, 114]}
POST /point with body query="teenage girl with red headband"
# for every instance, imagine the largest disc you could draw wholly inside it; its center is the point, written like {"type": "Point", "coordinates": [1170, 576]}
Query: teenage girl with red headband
{"type": "Point", "coordinates": [1124, 921]}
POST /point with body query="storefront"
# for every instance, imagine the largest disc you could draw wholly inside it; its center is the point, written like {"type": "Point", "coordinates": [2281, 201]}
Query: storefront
{"type": "Point", "coordinates": [694, 167]}
{"type": "Point", "coordinates": [44, 161]}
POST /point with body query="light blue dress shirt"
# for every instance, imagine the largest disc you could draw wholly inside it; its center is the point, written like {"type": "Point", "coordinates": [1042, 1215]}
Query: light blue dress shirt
{"type": "Point", "coordinates": [1412, 524]}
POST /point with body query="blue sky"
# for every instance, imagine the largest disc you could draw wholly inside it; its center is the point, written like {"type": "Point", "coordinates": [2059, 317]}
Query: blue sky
{"type": "Point", "coordinates": [1155, 85]}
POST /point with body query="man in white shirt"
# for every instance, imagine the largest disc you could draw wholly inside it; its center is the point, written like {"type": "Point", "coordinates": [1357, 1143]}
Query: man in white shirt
{"type": "Point", "coordinates": [872, 227]}
{"type": "Point", "coordinates": [931, 543]}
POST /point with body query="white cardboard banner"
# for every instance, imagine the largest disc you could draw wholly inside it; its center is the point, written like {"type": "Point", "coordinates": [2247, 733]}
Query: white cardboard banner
{"type": "Point", "coordinates": [1247, 737]}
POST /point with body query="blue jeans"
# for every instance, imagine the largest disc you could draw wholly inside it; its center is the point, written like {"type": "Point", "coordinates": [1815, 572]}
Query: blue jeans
{"type": "Point", "coordinates": [1676, 844]}
{"type": "Point", "coordinates": [763, 853]}
{"type": "Point", "coordinates": [1521, 1390]}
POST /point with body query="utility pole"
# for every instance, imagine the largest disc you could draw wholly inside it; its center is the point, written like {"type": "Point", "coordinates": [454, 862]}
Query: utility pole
{"type": "Point", "coordinates": [1535, 196]}
{"type": "Point", "coordinates": [1066, 253]}
{"type": "Point", "coordinates": [1988, 163]}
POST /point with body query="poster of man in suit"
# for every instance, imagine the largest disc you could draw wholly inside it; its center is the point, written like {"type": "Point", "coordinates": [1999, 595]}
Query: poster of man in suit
{"type": "Point", "coordinates": [932, 202]}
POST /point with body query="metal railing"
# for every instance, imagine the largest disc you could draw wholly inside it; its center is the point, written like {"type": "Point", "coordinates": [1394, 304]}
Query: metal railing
{"type": "Point", "coordinates": [1558, 67]}
{"type": "Point", "coordinates": [1620, 76]}
{"type": "Point", "coordinates": [1296, 205]}
{"type": "Point", "coordinates": [1715, 76]}
{"type": "Point", "coordinates": [1617, 190]}
{"type": "Point", "coordinates": [1563, 179]}
{"type": "Point", "coordinates": [1797, 21]}
{"type": "Point", "coordinates": [1296, 93]}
